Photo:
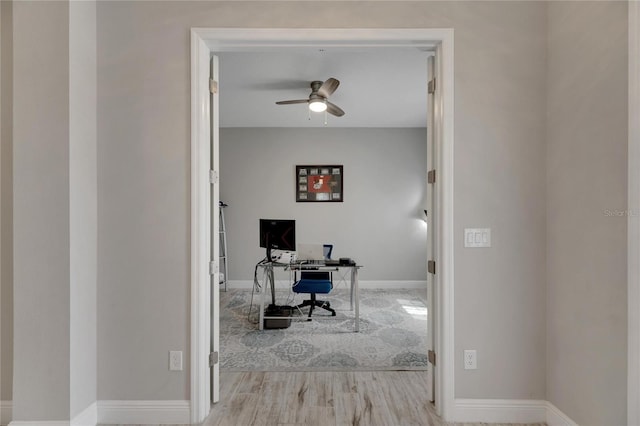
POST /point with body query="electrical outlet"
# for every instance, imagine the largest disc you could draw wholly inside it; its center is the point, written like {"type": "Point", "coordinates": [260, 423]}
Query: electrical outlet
{"type": "Point", "coordinates": [175, 360]}
{"type": "Point", "coordinates": [470, 361]}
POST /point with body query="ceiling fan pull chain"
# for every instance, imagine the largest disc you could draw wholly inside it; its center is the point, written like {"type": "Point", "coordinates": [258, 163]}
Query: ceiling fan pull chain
{"type": "Point", "coordinates": [309, 112]}
{"type": "Point", "coordinates": [325, 117]}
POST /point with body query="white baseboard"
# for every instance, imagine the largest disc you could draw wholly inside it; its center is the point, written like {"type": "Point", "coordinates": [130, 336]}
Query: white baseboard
{"type": "Point", "coordinates": [510, 411]}
{"type": "Point", "coordinates": [247, 284]}
{"type": "Point", "coordinates": [6, 408]}
{"type": "Point", "coordinates": [144, 412]}
{"type": "Point", "coordinates": [382, 284]}
{"type": "Point", "coordinates": [392, 285]}
{"type": "Point", "coordinates": [88, 417]}
{"type": "Point", "coordinates": [500, 411]}
{"type": "Point", "coordinates": [555, 417]}
{"type": "Point", "coordinates": [114, 412]}
{"type": "Point", "coordinates": [162, 412]}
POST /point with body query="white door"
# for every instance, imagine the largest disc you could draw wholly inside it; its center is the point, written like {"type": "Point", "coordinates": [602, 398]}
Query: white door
{"type": "Point", "coordinates": [430, 219]}
{"type": "Point", "coordinates": [215, 238]}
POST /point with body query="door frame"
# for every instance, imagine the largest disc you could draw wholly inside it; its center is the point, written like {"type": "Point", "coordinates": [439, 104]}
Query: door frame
{"type": "Point", "coordinates": [206, 41]}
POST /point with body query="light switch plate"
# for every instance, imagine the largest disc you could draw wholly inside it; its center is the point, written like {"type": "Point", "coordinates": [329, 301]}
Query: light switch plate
{"type": "Point", "coordinates": [477, 237]}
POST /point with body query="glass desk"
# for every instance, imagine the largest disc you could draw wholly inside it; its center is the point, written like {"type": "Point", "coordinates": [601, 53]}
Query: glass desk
{"type": "Point", "coordinates": [269, 268]}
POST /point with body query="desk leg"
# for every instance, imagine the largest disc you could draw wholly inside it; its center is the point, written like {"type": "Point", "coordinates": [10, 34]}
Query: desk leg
{"type": "Point", "coordinates": [272, 283]}
{"type": "Point", "coordinates": [263, 290]}
{"type": "Point", "coordinates": [355, 294]}
{"type": "Point", "coordinates": [352, 290]}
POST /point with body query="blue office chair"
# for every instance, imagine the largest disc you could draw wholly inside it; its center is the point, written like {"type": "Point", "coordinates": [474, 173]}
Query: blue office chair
{"type": "Point", "coordinates": [316, 282]}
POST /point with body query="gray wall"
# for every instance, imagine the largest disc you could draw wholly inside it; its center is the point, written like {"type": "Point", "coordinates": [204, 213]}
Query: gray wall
{"type": "Point", "coordinates": [143, 166]}
{"type": "Point", "coordinates": [83, 205]}
{"type": "Point", "coordinates": [500, 160]}
{"type": "Point", "coordinates": [6, 205]}
{"type": "Point", "coordinates": [55, 206]}
{"type": "Point", "coordinates": [143, 199]}
{"type": "Point", "coordinates": [499, 157]}
{"type": "Point", "coordinates": [586, 203]}
{"type": "Point", "coordinates": [41, 210]}
{"type": "Point", "coordinates": [380, 223]}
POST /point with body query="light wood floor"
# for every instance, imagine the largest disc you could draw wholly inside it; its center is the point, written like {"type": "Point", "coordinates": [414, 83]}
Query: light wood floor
{"type": "Point", "coordinates": [384, 398]}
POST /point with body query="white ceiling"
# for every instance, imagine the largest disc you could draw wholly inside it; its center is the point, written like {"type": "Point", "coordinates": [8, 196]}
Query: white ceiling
{"type": "Point", "coordinates": [378, 87]}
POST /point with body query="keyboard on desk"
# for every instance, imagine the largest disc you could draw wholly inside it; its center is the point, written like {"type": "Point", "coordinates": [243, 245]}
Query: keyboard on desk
{"type": "Point", "coordinates": [315, 263]}
{"type": "Point", "coordinates": [311, 263]}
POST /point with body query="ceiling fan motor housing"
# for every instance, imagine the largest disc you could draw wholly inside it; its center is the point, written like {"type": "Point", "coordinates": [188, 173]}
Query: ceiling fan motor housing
{"type": "Point", "coordinates": [315, 86]}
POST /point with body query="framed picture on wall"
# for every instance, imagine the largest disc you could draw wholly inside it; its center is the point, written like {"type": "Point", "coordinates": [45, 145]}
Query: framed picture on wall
{"type": "Point", "coordinates": [319, 184]}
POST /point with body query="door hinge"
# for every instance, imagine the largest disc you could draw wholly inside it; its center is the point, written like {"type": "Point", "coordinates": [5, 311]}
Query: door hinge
{"type": "Point", "coordinates": [431, 266]}
{"type": "Point", "coordinates": [213, 359]}
{"type": "Point", "coordinates": [431, 87]}
{"type": "Point", "coordinates": [213, 267]}
{"type": "Point", "coordinates": [431, 176]}
{"type": "Point", "coordinates": [213, 86]}
{"type": "Point", "coordinates": [213, 176]}
{"type": "Point", "coordinates": [432, 357]}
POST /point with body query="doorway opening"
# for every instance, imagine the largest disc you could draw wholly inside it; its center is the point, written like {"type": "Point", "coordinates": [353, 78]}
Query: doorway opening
{"type": "Point", "coordinates": [205, 145]}
{"type": "Point", "coordinates": [380, 145]}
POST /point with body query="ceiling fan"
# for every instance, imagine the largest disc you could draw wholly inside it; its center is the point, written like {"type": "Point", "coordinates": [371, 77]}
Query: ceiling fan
{"type": "Point", "coordinates": [318, 99]}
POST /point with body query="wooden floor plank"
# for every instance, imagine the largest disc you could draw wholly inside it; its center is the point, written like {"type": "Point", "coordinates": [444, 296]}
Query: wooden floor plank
{"type": "Point", "coordinates": [339, 398]}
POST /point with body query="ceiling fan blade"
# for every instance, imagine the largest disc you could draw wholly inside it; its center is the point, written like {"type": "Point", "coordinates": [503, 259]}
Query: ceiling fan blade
{"type": "Point", "coordinates": [297, 101]}
{"type": "Point", "coordinates": [328, 87]}
{"type": "Point", "coordinates": [334, 109]}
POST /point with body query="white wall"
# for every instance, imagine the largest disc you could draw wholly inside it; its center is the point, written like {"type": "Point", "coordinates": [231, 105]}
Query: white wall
{"type": "Point", "coordinates": [380, 223]}
{"type": "Point", "coordinates": [143, 190]}
{"type": "Point", "coordinates": [586, 205]}
{"type": "Point", "coordinates": [83, 215]}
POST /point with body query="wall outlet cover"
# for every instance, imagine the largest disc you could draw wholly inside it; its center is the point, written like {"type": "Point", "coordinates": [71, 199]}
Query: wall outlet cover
{"type": "Point", "coordinates": [470, 359]}
{"type": "Point", "coordinates": [175, 360]}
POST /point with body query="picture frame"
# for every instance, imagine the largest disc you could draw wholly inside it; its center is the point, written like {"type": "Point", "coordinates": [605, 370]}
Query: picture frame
{"type": "Point", "coordinates": [319, 183]}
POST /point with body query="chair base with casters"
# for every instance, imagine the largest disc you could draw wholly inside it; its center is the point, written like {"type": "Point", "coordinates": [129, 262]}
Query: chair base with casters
{"type": "Point", "coordinates": [313, 283]}
{"type": "Point", "coordinates": [313, 303]}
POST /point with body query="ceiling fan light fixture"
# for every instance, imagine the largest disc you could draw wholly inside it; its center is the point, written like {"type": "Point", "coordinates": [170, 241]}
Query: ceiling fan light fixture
{"type": "Point", "coordinates": [318, 99]}
{"type": "Point", "coordinates": [318, 106]}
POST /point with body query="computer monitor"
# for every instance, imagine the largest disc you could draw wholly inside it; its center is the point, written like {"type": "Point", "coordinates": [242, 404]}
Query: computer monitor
{"type": "Point", "coordinates": [277, 234]}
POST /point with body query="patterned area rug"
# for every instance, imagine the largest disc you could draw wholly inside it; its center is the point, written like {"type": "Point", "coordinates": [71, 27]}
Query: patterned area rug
{"type": "Point", "coordinates": [393, 333]}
